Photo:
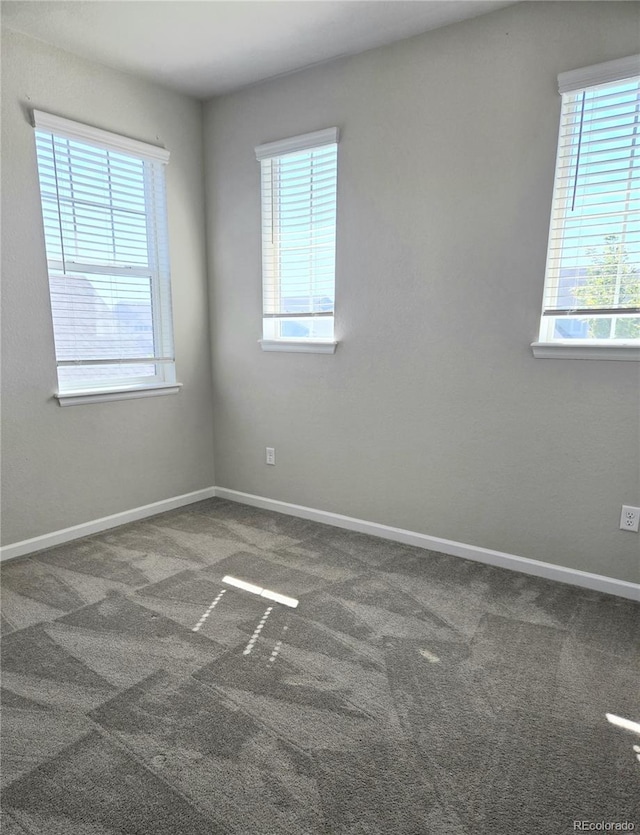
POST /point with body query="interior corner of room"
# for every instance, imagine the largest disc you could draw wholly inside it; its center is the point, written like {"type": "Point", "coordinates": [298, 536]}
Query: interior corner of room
{"type": "Point", "coordinates": [432, 418]}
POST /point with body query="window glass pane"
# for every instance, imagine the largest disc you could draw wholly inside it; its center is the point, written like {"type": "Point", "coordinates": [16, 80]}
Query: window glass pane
{"type": "Point", "coordinates": [104, 218]}
{"type": "Point", "coordinates": [101, 316]}
{"type": "Point", "coordinates": [299, 238]}
{"type": "Point", "coordinates": [94, 376]}
{"type": "Point", "coordinates": [593, 261]}
{"type": "Point", "coordinates": [597, 327]}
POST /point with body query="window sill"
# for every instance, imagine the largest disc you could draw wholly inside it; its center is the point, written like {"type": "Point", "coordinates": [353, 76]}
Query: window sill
{"type": "Point", "coordinates": [585, 351]}
{"type": "Point", "coordinates": [300, 346]}
{"type": "Point", "coordinates": [79, 398]}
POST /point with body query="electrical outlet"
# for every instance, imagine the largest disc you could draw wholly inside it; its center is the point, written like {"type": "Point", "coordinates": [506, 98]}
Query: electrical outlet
{"type": "Point", "coordinates": [630, 518]}
{"type": "Point", "coordinates": [270, 457]}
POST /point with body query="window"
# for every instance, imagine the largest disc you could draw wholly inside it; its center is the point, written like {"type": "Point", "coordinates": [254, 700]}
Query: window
{"type": "Point", "coordinates": [298, 184]}
{"type": "Point", "coordinates": [104, 213]}
{"type": "Point", "coordinates": [592, 281]}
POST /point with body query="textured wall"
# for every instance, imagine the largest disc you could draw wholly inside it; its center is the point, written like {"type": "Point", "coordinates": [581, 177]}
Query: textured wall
{"type": "Point", "coordinates": [64, 466]}
{"type": "Point", "coordinates": [433, 414]}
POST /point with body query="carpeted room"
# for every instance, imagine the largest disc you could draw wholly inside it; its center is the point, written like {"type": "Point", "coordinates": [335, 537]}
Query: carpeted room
{"type": "Point", "coordinates": [412, 690]}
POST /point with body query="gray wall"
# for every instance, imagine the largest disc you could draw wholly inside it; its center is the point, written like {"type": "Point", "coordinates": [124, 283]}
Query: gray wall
{"type": "Point", "coordinates": [433, 414]}
{"type": "Point", "coordinates": [64, 466]}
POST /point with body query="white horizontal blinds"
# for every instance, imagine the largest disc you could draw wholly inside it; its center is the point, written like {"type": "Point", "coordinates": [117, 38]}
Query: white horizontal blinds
{"type": "Point", "coordinates": [592, 283]}
{"type": "Point", "coordinates": [299, 238]}
{"type": "Point", "coordinates": [104, 213]}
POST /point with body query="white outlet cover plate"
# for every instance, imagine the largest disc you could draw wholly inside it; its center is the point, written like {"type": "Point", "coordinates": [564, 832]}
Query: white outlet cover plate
{"type": "Point", "coordinates": [630, 518]}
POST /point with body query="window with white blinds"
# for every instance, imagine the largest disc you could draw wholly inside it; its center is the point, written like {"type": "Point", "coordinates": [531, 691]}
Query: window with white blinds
{"type": "Point", "coordinates": [298, 185]}
{"type": "Point", "coordinates": [592, 282]}
{"type": "Point", "coordinates": [104, 213]}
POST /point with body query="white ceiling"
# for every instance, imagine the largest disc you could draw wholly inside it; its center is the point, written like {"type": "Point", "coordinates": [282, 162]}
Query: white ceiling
{"type": "Point", "coordinates": [208, 47]}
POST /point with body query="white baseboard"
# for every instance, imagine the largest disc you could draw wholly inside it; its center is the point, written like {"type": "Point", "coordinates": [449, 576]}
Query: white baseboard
{"type": "Point", "coordinates": [50, 540]}
{"type": "Point", "coordinates": [595, 582]}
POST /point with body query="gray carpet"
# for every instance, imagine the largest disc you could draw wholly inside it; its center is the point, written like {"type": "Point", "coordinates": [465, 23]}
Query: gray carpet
{"type": "Point", "coordinates": [410, 692]}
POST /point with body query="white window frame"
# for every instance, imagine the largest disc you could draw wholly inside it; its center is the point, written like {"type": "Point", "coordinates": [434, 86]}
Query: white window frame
{"type": "Point", "coordinates": [548, 346]}
{"type": "Point", "coordinates": [156, 270]}
{"type": "Point", "coordinates": [269, 155]}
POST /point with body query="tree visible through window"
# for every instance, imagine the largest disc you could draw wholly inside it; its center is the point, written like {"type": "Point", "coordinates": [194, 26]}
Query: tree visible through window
{"type": "Point", "coordinates": [610, 281]}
